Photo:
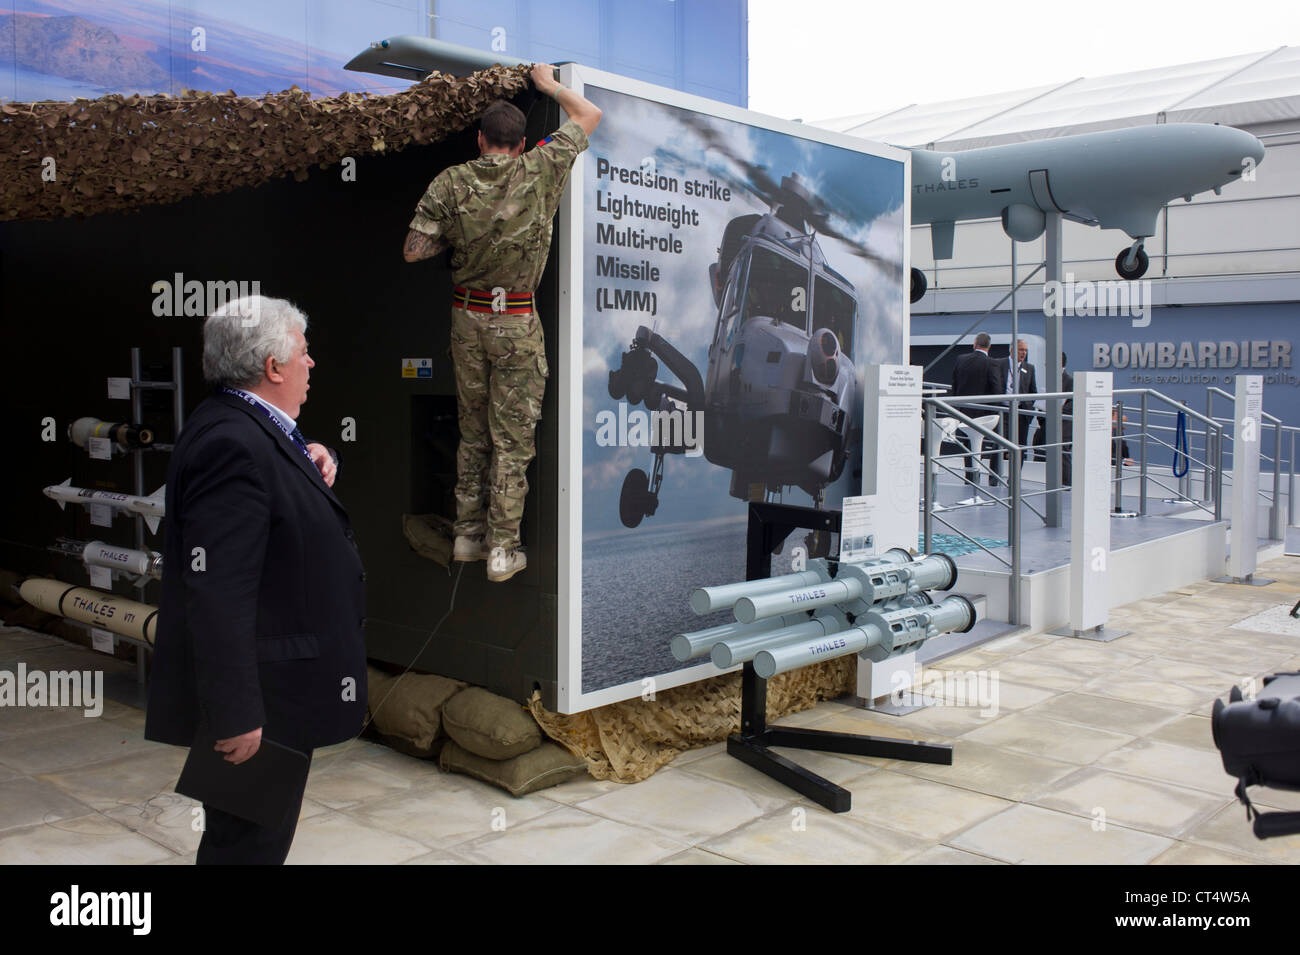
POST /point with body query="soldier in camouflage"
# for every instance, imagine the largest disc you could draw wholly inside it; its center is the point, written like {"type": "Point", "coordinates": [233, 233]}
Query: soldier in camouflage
{"type": "Point", "coordinates": [495, 214]}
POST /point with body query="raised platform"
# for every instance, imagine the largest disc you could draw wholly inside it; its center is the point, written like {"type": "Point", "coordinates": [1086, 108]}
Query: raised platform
{"type": "Point", "coordinates": [1149, 555]}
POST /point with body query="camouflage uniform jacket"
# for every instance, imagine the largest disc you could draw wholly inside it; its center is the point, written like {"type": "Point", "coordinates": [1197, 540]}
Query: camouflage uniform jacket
{"type": "Point", "coordinates": [495, 212]}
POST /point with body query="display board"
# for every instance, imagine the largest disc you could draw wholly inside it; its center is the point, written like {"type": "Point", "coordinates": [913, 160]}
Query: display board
{"type": "Point", "coordinates": [724, 279]}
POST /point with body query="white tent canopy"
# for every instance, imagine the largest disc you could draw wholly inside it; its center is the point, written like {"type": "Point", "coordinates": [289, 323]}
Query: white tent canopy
{"type": "Point", "coordinates": [1251, 90]}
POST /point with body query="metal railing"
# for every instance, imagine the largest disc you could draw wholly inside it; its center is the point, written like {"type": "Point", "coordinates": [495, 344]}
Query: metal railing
{"type": "Point", "coordinates": [1203, 444]}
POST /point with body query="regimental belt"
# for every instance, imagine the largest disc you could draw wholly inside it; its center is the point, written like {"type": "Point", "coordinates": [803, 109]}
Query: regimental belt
{"type": "Point", "coordinates": [500, 303]}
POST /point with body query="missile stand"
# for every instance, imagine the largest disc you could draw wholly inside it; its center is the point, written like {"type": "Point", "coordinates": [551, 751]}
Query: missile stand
{"type": "Point", "coordinates": [770, 524]}
{"type": "Point", "coordinates": [105, 562]}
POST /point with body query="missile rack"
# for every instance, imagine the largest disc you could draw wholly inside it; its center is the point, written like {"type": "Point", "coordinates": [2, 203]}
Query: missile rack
{"type": "Point", "coordinates": [137, 385]}
{"type": "Point", "coordinates": [769, 524]}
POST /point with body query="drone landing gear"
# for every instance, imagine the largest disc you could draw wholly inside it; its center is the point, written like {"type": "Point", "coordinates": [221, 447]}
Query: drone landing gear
{"type": "Point", "coordinates": [919, 285]}
{"type": "Point", "coordinates": [1132, 263]}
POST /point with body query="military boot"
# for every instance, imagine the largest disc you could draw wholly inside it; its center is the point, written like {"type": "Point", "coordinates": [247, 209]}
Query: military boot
{"type": "Point", "coordinates": [504, 564]}
{"type": "Point", "coordinates": [470, 548]}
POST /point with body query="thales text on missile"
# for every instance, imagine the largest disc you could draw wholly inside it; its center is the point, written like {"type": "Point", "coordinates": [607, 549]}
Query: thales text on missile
{"type": "Point", "coordinates": [151, 508]}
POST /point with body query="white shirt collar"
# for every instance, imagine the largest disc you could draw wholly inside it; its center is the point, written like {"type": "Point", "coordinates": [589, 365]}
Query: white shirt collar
{"type": "Point", "coordinates": [287, 423]}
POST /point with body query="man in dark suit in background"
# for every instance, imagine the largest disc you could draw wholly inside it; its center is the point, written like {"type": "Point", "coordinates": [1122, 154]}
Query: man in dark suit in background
{"type": "Point", "coordinates": [260, 621]}
{"type": "Point", "coordinates": [977, 374]}
{"type": "Point", "coordinates": [1026, 383]}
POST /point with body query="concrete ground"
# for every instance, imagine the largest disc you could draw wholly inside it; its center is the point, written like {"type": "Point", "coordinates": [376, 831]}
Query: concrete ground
{"type": "Point", "coordinates": [1097, 753]}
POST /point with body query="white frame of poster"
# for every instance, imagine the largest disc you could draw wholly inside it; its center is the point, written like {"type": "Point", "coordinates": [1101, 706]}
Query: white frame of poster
{"type": "Point", "coordinates": [570, 697]}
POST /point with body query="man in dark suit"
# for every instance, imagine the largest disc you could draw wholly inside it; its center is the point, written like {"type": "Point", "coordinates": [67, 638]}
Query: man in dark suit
{"type": "Point", "coordinates": [261, 616]}
{"type": "Point", "coordinates": [977, 374]}
{"type": "Point", "coordinates": [1026, 383]}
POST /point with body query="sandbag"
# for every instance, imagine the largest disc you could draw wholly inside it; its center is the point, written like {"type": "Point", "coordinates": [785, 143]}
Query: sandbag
{"type": "Point", "coordinates": [406, 710]}
{"type": "Point", "coordinates": [430, 535]}
{"type": "Point", "coordinates": [490, 726]}
{"type": "Point", "coordinates": [547, 765]}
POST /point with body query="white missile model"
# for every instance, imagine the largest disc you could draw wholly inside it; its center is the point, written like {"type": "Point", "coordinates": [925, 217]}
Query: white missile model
{"type": "Point", "coordinates": [151, 508]}
{"type": "Point", "coordinates": [110, 611]}
{"type": "Point", "coordinates": [142, 564]}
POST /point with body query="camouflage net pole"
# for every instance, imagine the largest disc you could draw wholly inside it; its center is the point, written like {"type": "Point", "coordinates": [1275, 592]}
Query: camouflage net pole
{"type": "Point", "coordinates": [120, 153]}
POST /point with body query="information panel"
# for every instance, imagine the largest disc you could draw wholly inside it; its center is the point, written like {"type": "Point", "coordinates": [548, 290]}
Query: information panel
{"type": "Point", "coordinates": [727, 279]}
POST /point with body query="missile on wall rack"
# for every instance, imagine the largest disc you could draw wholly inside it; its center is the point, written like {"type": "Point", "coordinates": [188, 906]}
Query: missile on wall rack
{"type": "Point", "coordinates": [121, 615]}
{"type": "Point", "coordinates": [151, 508]}
{"type": "Point", "coordinates": [127, 437]}
{"type": "Point", "coordinates": [140, 563]}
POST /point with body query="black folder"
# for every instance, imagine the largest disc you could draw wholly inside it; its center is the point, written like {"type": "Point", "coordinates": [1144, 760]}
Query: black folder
{"type": "Point", "coordinates": [263, 788]}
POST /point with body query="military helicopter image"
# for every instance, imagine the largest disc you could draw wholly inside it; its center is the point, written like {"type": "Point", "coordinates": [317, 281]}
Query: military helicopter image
{"type": "Point", "coordinates": [778, 396]}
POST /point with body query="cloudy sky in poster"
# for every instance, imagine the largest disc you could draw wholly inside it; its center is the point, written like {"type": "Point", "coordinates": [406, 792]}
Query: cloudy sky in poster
{"type": "Point", "coordinates": [864, 194]}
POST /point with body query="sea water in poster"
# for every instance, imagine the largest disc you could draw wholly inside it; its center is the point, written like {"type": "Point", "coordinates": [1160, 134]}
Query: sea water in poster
{"type": "Point", "coordinates": [736, 281]}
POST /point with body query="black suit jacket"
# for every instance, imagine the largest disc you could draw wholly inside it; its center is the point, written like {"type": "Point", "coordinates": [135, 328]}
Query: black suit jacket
{"type": "Point", "coordinates": [1028, 384]}
{"type": "Point", "coordinates": [977, 374]}
{"type": "Point", "coordinates": [269, 632]}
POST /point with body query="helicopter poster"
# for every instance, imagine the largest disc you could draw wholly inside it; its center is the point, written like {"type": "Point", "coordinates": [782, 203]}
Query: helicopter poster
{"type": "Point", "coordinates": [728, 277]}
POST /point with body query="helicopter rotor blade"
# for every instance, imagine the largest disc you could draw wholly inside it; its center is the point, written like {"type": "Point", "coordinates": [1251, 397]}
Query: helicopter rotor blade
{"type": "Point", "coordinates": [856, 246]}
{"type": "Point", "coordinates": [758, 180]}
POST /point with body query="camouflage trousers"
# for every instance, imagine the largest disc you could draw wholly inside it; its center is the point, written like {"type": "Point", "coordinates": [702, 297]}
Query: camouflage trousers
{"type": "Point", "coordinates": [500, 363]}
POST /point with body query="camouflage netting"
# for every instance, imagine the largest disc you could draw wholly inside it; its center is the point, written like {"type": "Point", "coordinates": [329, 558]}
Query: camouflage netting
{"type": "Point", "coordinates": [123, 152]}
{"type": "Point", "coordinates": [627, 742]}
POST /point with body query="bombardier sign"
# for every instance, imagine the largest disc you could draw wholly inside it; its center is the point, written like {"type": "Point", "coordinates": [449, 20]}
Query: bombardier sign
{"type": "Point", "coordinates": [1192, 354]}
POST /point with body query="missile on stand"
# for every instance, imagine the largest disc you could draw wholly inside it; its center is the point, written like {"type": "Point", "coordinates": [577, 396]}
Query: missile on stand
{"type": "Point", "coordinates": [907, 628]}
{"type": "Point", "coordinates": [876, 636]}
{"type": "Point", "coordinates": [856, 587]}
{"type": "Point", "coordinates": [698, 643]}
{"type": "Point", "coordinates": [727, 653]}
{"type": "Point", "coordinates": [724, 596]}
{"type": "Point", "coordinates": [877, 608]}
{"type": "Point", "coordinates": [731, 643]}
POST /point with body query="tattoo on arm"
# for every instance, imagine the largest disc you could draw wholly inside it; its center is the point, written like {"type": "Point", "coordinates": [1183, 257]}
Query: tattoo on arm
{"type": "Point", "coordinates": [419, 246]}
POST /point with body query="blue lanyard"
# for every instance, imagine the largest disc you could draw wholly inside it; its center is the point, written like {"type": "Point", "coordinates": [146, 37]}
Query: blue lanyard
{"type": "Point", "coordinates": [295, 435]}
